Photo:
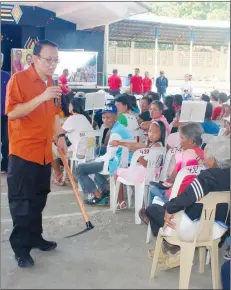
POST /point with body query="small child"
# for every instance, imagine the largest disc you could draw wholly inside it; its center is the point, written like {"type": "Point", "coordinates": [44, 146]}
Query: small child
{"type": "Point", "coordinates": [156, 138]}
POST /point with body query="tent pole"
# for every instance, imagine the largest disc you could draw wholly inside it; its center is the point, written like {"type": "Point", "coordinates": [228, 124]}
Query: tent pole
{"type": "Point", "coordinates": [105, 63]}
{"type": "Point", "coordinates": [156, 53]}
{"type": "Point", "coordinates": [190, 53]}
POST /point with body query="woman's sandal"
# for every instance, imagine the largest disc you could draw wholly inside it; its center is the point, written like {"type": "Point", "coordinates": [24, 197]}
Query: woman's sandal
{"type": "Point", "coordinates": [58, 183]}
{"type": "Point", "coordinates": [121, 205]}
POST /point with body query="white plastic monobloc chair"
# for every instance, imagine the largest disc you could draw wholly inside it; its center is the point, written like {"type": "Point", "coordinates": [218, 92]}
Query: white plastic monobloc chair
{"type": "Point", "coordinates": [153, 157]}
{"type": "Point", "coordinates": [171, 152]}
{"type": "Point", "coordinates": [186, 171]}
{"type": "Point", "coordinates": [105, 171]}
{"type": "Point", "coordinates": [89, 141]}
{"type": "Point", "coordinates": [203, 239]}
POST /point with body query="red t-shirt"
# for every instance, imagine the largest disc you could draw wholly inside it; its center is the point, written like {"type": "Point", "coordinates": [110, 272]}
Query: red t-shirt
{"type": "Point", "coordinates": [114, 82]}
{"type": "Point", "coordinates": [65, 89]}
{"type": "Point", "coordinates": [216, 113]}
{"type": "Point", "coordinates": [147, 85]}
{"type": "Point", "coordinates": [137, 84]}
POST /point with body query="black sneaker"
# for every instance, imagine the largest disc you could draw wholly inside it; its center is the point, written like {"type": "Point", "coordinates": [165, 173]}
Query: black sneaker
{"type": "Point", "coordinates": [25, 261]}
{"type": "Point", "coordinates": [45, 246]}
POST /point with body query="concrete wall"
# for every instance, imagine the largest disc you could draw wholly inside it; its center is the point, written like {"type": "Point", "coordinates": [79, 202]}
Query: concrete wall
{"type": "Point", "coordinates": [207, 65]}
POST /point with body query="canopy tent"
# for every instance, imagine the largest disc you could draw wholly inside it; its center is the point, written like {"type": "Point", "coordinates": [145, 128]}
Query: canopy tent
{"type": "Point", "coordinates": [90, 14]}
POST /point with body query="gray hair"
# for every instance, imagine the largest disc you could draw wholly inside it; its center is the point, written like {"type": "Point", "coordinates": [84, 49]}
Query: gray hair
{"type": "Point", "coordinates": [218, 147]}
{"type": "Point", "coordinates": [193, 131]}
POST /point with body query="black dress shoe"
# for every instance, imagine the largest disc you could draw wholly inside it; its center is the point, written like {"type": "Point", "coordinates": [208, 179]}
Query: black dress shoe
{"type": "Point", "coordinates": [45, 246]}
{"type": "Point", "coordinates": [25, 261]}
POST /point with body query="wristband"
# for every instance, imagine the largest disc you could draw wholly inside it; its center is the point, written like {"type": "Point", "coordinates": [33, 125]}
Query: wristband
{"type": "Point", "coordinates": [61, 135]}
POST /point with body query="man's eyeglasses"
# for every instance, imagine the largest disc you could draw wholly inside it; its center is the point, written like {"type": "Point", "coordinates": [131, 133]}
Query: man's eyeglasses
{"type": "Point", "coordinates": [50, 60]}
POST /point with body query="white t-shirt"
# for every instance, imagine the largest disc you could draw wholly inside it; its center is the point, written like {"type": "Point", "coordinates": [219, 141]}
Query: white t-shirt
{"type": "Point", "coordinates": [187, 86]}
{"type": "Point", "coordinates": [73, 126]}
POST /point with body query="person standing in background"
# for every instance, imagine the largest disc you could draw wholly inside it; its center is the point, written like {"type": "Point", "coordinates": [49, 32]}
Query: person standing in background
{"type": "Point", "coordinates": [147, 83]}
{"type": "Point", "coordinates": [114, 83]}
{"type": "Point", "coordinates": [5, 77]}
{"type": "Point", "coordinates": [162, 84]}
{"type": "Point", "coordinates": [17, 63]}
{"type": "Point", "coordinates": [187, 87]}
{"type": "Point", "coordinates": [64, 83]}
{"type": "Point", "coordinates": [136, 83]}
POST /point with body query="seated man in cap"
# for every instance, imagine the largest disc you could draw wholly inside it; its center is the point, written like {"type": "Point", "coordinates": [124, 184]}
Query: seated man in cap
{"type": "Point", "coordinates": [99, 193]}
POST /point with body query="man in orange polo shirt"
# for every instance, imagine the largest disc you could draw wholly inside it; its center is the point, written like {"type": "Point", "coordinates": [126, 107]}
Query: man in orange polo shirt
{"type": "Point", "coordinates": [33, 121]}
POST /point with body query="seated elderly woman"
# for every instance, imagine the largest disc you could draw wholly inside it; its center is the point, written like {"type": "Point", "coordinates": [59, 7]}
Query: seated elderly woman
{"type": "Point", "coordinates": [216, 177]}
{"type": "Point", "coordinates": [191, 154]}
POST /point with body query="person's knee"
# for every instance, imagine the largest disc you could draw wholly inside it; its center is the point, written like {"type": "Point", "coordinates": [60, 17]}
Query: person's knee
{"type": "Point", "coordinates": [79, 169]}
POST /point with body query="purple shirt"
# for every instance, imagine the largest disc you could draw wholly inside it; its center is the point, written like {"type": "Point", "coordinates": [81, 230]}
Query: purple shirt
{"type": "Point", "coordinates": [5, 77]}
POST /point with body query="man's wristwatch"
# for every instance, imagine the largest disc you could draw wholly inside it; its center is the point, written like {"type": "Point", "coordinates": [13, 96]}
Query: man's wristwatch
{"type": "Point", "coordinates": [61, 135]}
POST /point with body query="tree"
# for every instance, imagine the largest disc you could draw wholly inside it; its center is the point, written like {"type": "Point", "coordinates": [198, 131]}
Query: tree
{"type": "Point", "coordinates": [193, 10]}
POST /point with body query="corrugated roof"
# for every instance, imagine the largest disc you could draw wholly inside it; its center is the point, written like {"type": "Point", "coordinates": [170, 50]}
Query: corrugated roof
{"type": "Point", "coordinates": [142, 28]}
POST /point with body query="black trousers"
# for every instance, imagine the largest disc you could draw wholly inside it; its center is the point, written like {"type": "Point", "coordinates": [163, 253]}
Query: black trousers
{"type": "Point", "coordinates": [155, 213]}
{"type": "Point", "coordinates": [5, 143]}
{"type": "Point", "coordinates": [28, 187]}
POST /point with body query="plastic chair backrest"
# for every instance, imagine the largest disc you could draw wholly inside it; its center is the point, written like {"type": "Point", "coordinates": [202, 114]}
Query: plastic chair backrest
{"type": "Point", "coordinates": [206, 223]}
{"type": "Point", "coordinates": [155, 157]}
{"type": "Point", "coordinates": [222, 132]}
{"type": "Point", "coordinates": [85, 148]}
{"type": "Point", "coordinates": [173, 140]}
{"type": "Point", "coordinates": [186, 171]}
{"type": "Point", "coordinates": [171, 152]}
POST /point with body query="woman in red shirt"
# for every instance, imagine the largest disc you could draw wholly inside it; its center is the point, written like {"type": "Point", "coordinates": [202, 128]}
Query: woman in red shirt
{"type": "Point", "coordinates": [147, 83]}
{"type": "Point", "coordinates": [222, 98]}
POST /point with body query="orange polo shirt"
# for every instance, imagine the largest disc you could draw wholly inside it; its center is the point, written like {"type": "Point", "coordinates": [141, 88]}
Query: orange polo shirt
{"type": "Point", "coordinates": [30, 137]}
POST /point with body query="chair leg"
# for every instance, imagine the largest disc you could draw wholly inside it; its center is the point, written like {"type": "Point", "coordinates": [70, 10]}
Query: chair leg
{"type": "Point", "coordinates": [112, 192]}
{"type": "Point", "coordinates": [115, 197]}
{"type": "Point", "coordinates": [158, 246]}
{"type": "Point", "coordinates": [72, 165]}
{"type": "Point", "coordinates": [149, 234]}
{"type": "Point", "coordinates": [202, 256]}
{"type": "Point", "coordinates": [186, 260]}
{"type": "Point", "coordinates": [215, 265]}
{"type": "Point", "coordinates": [139, 197]}
{"type": "Point", "coordinates": [129, 194]}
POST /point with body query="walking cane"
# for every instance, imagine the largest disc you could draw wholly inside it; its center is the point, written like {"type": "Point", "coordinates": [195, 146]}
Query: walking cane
{"type": "Point", "coordinates": [89, 225]}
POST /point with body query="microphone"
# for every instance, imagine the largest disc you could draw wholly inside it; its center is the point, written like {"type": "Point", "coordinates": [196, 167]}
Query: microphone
{"type": "Point", "coordinates": [55, 79]}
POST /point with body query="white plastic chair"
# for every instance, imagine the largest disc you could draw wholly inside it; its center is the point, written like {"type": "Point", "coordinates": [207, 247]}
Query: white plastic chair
{"type": "Point", "coordinates": [173, 140]}
{"type": "Point", "coordinates": [202, 240]}
{"type": "Point", "coordinates": [90, 147]}
{"type": "Point", "coordinates": [153, 156]}
{"type": "Point", "coordinates": [186, 171]}
{"type": "Point", "coordinates": [105, 171]}
{"type": "Point", "coordinates": [171, 152]}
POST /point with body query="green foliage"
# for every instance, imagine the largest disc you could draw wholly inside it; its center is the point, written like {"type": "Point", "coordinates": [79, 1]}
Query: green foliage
{"type": "Point", "coordinates": [193, 10]}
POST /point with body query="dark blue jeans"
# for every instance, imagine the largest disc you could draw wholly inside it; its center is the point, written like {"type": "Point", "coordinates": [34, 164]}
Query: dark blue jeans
{"type": "Point", "coordinates": [225, 275]}
{"type": "Point", "coordinates": [155, 191]}
{"type": "Point", "coordinates": [114, 93]}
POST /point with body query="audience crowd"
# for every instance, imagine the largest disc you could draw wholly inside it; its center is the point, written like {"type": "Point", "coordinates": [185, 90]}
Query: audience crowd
{"type": "Point", "coordinates": [157, 116]}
